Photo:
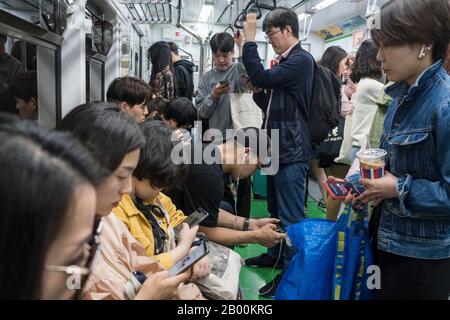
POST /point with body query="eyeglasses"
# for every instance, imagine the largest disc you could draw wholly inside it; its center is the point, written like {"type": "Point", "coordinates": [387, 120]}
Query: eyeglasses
{"type": "Point", "coordinates": [83, 272]}
{"type": "Point", "coordinates": [269, 36]}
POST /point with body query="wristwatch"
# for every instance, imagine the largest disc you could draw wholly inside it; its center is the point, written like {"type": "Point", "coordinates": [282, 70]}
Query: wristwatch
{"type": "Point", "coordinates": [246, 224]}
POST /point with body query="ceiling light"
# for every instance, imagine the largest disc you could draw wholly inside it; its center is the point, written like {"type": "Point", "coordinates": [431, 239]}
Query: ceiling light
{"type": "Point", "coordinates": [324, 4]}
{"type": "Point", "coordinates": [303, 16]}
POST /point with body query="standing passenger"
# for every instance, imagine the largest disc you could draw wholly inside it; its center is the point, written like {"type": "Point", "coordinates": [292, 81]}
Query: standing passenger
{"type": "Point", "coordinates": [366, 72]}
{"type": "Point", "coordinates": [162, 79]}
{"type": "Point", "coordinates": [411, 222]}
{"type": "Point", "coordinates": [286, 100]}
{"type": "Point", "coordinates": [184, 73]}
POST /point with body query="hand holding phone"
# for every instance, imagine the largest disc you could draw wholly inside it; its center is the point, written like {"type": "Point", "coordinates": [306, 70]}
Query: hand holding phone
{"type": "Point", "coordinates": [339, 189]}
{"type": "Point", "coordinates": [222, 88]}
{"type": "Point", "coordinates": [190, 259]}
{"type": "Point", "coordinates": [192, 220]}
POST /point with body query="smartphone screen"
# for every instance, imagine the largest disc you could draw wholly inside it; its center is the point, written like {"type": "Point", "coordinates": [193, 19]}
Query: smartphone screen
{"type": "Point", "coordinates": [189, 260]}
{"type": "Point", "coordinates": [224, 83]}
{"type": "Point", "coordinates": [339, 189]}
{"type": "Point", "coordinates": [192, 220]}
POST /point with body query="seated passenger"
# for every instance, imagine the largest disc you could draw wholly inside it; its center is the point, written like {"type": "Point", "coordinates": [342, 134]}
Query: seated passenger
{"type": "Point", "coordinates": [9, 69]}
{"type": "Point", "coordinates": [24, 89]}
{"type": "Point", "coordinates": [156, 107]}
{"type": "Point", "coordinates": [149, 214]}
{"type": "Point", "coordinates": [48, 201]}
{"type": "Point", "coordinates": [115, 140]}
{"type": "Point", "coordinates": [131, 94]}
{"type": "Point", "coordinates": [180, 114]}
{"type": "Point", "coordinates": [204, 187]}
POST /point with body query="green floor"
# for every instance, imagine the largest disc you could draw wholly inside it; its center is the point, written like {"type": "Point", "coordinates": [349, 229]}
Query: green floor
{"type": "Point", "coordinates": [252, 279]}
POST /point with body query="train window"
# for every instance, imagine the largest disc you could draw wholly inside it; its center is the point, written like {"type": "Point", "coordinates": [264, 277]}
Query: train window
{"type": "Point", "coordinates": [25, 52]}
{"type": "Point", "coordinates": [18, 78]}
{"type": "Point", "coordinates": [26, 10]}
{"type": "Point", "coordinates": [44, 13]}
{"type": "Point", "coordinates": [125, 59]}
{"type": "Point", "coordinates": [136, 65]}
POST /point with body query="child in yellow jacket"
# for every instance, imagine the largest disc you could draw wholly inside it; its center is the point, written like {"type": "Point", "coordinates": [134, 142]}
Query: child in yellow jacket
{"type": "Point", "coordinates": [149, 214]}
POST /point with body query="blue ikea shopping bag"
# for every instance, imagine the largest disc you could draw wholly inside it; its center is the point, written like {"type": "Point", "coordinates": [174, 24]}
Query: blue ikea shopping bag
{"type": "Point", "coordinates": [331, 260]}
{"type": "Point", "coordinates": [353, 257]}
{"type": "Point", "coordinates": [310, 273]}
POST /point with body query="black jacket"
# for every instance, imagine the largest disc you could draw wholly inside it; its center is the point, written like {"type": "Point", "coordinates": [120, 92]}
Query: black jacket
{"type": "Point", "coordinates": [184, 71]}
{"type": "Point", "coordinates": [292, 84]}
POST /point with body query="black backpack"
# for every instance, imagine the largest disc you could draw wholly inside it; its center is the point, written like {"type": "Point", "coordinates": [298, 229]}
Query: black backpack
{"type": "Point", "coordinates": [325, 104]}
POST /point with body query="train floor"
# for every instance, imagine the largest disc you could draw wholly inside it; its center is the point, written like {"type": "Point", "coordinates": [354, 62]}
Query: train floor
{"type": "Point", "coordinates": [252, 279]}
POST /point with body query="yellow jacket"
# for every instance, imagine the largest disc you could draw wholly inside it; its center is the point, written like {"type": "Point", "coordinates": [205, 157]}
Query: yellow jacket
{"type": "Point", "coordinates": [141, 229]}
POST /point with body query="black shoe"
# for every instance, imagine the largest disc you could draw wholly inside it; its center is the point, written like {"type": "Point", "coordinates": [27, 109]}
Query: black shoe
{"type": "Point", "coordinates": [322, 205]}
{"type": "Point", "coordinates": [263, 260]}
{"type": "Point", "coordinates": [269, 290]}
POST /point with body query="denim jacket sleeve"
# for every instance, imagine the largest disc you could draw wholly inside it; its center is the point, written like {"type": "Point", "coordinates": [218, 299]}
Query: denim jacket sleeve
{"type": "Point", "coordinates": [430, 197]}
{"type": "Point", "coordinates": [281, 76]}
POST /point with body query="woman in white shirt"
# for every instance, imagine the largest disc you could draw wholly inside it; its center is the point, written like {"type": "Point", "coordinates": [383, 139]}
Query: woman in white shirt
{"type": "Point", "coordinates": [365, 72]}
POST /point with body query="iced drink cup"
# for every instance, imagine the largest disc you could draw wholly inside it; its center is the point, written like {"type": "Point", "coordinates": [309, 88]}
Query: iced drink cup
{"type": "Point", "coordinates": [372, 163]}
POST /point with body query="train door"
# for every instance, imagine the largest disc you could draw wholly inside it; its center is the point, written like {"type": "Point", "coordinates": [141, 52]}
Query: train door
{"type": "Point", "coordinates": [33, 33]}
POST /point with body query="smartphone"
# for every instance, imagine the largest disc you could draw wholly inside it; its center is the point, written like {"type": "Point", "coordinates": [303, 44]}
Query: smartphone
{"type": "Point", "coordinates": [224, 83]}
{"type": "Point", "coordinates": [279, 229]}
{"type": "Point", "coordinates": [190, 259]}
{"type": "Point", "coordinates": [338, 190]}
{"type": "Point", "coordinates": [192, 220]}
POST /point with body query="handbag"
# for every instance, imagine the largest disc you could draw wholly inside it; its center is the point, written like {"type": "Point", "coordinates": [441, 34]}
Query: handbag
{"type": "Point", "coordinates": [245, 113]}
{"type": "Point", "coordinates": [331, 259]}
{"type": "Point", "coordinates": [346, 147]}
{"type": "Point", "coordinates": [223, 281]}
{"type": "Point", "coordinates": [329, 149]}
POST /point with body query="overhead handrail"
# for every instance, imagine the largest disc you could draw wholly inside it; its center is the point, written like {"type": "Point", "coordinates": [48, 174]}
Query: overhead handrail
{"type": "Point", "coordinates": [256, 7]}
{"type": "Point", "coordinates": [307, 27]}
{"type": "Point", "coordinates": [230, 7]}
{"type": "Point", "coordinates": [191, 56]}
{"type": "Point", "coordinates": [195, 35]}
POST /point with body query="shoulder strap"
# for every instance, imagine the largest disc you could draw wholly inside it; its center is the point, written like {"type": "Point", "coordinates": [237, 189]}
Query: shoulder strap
{"type": "Point", "coordinates": [159, 234]}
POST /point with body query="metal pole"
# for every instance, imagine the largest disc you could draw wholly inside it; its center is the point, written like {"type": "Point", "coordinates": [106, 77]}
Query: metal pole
{"type": "Point", "coordinates": [198, 37]}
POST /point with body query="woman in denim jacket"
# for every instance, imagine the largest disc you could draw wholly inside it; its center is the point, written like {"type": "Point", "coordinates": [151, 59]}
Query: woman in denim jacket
{"type": "Point", "coordinates": [412, 218]}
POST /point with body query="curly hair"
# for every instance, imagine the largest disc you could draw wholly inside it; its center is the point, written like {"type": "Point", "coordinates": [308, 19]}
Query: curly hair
{"type": "Point", "coordinates": [366, 64]}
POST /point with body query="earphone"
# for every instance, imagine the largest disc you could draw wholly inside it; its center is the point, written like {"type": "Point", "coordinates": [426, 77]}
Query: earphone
{"type": "Point", "coordinates": [235, 226]}
{"type": "Point", "coordinates": [422, 53]}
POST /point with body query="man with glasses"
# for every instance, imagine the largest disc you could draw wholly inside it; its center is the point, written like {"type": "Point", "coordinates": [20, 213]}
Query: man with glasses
{"type": "Point", "coordinates": [285, 98]}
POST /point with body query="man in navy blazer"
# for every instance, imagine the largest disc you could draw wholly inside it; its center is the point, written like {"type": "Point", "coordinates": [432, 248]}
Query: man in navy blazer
{"type": "Point", "coordinates": [285, 97]}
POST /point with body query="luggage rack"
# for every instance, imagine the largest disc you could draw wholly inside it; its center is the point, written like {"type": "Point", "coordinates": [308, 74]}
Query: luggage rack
{"type": "Point", "coordinates": [150, 11]}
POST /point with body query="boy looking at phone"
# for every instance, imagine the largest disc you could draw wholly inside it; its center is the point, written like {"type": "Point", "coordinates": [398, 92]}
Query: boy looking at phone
{"type": "Point", "coordinates": [213, 101]}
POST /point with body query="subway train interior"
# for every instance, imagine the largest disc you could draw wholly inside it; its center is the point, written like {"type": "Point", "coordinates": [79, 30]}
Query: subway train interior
{"type": "Point", "coordinates": [304, 232]}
